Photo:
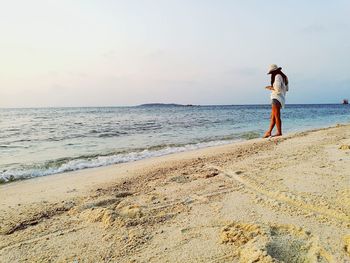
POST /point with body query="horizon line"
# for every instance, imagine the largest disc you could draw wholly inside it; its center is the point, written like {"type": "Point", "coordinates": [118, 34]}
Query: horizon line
{"type": "Point", "coordinates": [164, 104]}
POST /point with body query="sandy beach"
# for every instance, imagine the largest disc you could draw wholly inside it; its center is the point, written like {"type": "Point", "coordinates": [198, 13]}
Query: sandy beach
{"type": "Point", "coordinates": [282, 199]}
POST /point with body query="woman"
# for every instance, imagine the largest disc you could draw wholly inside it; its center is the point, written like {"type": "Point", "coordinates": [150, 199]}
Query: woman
{"type": "Point", "coordinates": [279, 87]}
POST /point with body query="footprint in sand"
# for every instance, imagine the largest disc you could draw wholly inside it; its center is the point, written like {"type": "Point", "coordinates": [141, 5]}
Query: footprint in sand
{"type": "Point", "coordinates": [273, 243]}
{"type": "Point", "coordinates": [286, 198]}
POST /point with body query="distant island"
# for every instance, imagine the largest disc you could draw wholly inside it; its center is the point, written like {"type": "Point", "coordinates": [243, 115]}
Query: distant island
{"type": "Point", "coordinates": [165, 105]}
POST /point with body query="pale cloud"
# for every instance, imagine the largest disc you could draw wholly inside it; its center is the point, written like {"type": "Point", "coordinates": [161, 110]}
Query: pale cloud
{"type": "Point", "coordinates": [313, 29]}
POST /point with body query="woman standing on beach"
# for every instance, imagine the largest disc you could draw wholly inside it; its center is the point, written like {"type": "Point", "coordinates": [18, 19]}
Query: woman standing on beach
{"type": "Point", "coordinates": [279, 87]}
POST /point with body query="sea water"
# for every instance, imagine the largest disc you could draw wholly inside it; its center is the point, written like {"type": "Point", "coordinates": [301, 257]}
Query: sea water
{"type": "Point", "coordinates": [43, 141]}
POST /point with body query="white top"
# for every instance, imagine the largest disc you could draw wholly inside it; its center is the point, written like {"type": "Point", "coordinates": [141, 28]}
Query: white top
{"type": "Point", "coordinates": [280, 89]}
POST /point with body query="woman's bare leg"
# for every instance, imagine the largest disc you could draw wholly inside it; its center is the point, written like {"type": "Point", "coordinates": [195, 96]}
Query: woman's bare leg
{"type": "Point", "coordinates": [272, 123]}
{"type": "Point", "coordinates": [278, 120]}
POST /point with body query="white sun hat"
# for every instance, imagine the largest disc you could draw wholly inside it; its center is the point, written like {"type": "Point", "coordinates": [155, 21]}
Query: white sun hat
{"type": "Point", "coordinates": [272, 68]}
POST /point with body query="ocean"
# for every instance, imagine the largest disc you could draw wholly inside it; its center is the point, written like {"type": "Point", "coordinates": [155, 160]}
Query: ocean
{"type": "Point", "coordinates": [44, 141]}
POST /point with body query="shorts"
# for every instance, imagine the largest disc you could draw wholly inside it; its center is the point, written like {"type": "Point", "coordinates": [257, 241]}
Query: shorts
{"type": "Point", "coordinates": [276, 102]}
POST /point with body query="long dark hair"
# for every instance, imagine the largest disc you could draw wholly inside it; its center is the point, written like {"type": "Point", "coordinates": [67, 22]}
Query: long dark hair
{"type": "Point", "coordinates": [276, 72]}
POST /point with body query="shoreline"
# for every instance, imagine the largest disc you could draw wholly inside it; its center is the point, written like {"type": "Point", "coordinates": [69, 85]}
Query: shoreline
{"type": "Point", "coordinates": [239, 141]}
{"type": "Point", "coordinates": [85, 179]}
{"type": "Point", "coordinates": [190, 206]}
{"type": "Point", "coordinates": [196, 148]}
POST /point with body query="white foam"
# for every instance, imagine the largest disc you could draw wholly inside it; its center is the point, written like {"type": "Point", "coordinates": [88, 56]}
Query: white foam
{"type": "Point", "coordinates": [79, 164]}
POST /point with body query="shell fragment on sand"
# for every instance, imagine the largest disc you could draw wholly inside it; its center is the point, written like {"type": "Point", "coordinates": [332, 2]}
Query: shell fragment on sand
{"type": "Point", "coordinates": [344, 147]}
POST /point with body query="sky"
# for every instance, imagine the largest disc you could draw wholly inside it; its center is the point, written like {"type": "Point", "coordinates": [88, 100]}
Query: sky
{"type": "Point", "coordinates": [120, 53]}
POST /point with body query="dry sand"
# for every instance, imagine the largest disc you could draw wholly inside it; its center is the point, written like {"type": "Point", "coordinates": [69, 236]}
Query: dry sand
{"type": "Point", "coordinates": [277, 200]}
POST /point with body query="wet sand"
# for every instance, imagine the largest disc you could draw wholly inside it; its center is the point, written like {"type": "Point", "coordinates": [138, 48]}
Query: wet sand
{"type": "Point", "coordinates": [282, 199]}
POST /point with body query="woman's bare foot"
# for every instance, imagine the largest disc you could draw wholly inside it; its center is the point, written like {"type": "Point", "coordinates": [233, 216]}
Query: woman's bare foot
{"type": "Point", "coordinates": [267, 134]}
{"type": "Point", "coordinates": [276, 135]}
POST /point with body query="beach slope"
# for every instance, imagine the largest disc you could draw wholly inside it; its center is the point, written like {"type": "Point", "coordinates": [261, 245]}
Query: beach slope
{"type": "Point", "coordinates": [281, 199]}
